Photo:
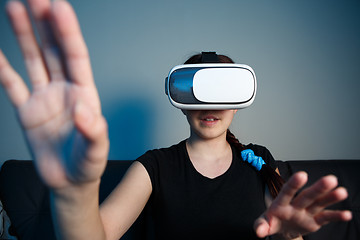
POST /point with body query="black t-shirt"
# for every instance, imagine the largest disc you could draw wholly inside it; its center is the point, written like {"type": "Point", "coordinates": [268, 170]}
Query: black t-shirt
{"type": "Point", "coordinates": [188, 205]}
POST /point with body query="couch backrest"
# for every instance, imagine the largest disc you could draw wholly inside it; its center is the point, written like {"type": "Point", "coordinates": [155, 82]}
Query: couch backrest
{"type": "Point", "coordinates": [26, 200]}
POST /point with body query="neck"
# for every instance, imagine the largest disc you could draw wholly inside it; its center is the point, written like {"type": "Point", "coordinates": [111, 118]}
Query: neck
{"type": "Point", "coordinates": [210, 157]}
{"type": "Point", "coordinates": [210, 149]}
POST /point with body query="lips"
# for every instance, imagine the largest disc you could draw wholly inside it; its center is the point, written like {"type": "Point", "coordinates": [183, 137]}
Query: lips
{"type": "Point", "coordinates": [209, 120]}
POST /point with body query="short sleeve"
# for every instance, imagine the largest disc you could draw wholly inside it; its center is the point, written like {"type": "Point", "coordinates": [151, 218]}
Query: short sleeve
{"type": "Point", "coordinates": [149, 162]}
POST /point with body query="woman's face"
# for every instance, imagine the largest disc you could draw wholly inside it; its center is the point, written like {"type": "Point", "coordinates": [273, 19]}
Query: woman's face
{"type": "Point", "coordinates": [209, 124]}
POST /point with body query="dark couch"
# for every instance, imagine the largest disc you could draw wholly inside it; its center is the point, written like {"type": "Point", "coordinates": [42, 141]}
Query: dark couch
{"type": "Point", "coordinates": [25, 198]}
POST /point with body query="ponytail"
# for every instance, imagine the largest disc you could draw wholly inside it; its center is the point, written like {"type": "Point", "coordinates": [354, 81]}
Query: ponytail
{"type": "Point", "coordinates": [272, 179]}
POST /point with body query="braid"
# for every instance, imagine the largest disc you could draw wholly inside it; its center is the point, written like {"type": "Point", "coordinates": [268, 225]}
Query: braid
{"type": "Point", "coordinates": [272, 179]}
{"type": "Point", "coordinates": [230, 138]}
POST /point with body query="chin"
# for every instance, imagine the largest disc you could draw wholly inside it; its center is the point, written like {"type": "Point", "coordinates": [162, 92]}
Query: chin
{"type": "Point", "coordinates": [210, 135]}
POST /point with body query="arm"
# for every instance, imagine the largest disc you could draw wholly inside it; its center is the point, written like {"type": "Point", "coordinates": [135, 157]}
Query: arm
{"type": "Point", "coordinates": [77, 207]}
{"type": "Point", "coordinates": [63, 124]}
{"type": "Point", "coordinates": [120, 210]}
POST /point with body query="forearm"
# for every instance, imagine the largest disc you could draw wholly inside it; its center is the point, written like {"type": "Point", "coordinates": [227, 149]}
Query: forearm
{"type": "Point", "coordinates": [75, 212]}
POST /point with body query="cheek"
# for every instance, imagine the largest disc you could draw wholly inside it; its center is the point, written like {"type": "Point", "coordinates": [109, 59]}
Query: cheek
{"type": "Point", "coordinates": [229, 121]}
{"type": "Point", "coordinates": [230, 118]}
{"type": "Point", "coordinates": [190, 119]}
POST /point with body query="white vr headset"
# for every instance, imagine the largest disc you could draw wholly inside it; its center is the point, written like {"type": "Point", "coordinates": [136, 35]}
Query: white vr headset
{"type": "Point", "coordinates": [211, 86]}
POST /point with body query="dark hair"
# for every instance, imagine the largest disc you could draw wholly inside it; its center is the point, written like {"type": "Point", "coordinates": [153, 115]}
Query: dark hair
{"type": "Point", "coordinates": [273, 180]}
{"type": "Point", "coordinates": [197, 58]}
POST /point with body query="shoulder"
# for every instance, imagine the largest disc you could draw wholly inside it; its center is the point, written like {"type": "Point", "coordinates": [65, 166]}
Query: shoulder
{"type": "Point", "coordinates": [258, 149]}
{"type": "Point", "coordinates": [263, 152]}
{"type": "Point", "coordinates": [161, 158]}
{"type": "Point", "coordinates": [163, 162]}
{"type": "Point", "coordinates": [162, 153]}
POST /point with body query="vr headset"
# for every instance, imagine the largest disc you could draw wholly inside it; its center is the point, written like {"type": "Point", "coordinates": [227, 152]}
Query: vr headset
{"type": "Point", "coordinates": [211, 85]}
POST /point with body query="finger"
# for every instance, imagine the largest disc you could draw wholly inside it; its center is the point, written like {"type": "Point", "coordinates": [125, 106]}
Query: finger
{"type": "Point", "coordinates": [14, 86]}
{"type": "Point", "coordinates": [41, 11]}
{"type": "Point", "coordinates": [332, 216]}
{"type": "Point", "coordinates": [290, 188]}
{"type": "Point", "coordinates": [24, 33]}
{"type": "Point", "coordinates": [261, 227]}
{"type": "Point", "coordinates": [94, 128]}
{"type": "Point", "coordinates": [333, 197]}
{"type": "Point", "coordinates": [311, 194]}
{"type": "Point", "coordinates": [69, 36]}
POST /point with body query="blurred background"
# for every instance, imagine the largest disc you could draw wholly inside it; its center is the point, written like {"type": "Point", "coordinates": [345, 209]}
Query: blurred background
{"type": "Point", "coordinates": [306, 56]}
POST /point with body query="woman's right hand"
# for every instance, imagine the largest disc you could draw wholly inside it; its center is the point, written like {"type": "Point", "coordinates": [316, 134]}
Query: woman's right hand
{"type": "Point", "coordinates": [61, 116]}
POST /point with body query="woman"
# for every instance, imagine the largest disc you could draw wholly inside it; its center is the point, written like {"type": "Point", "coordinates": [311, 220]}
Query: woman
{"type": "Point", "coordinates": [201, 188]}
{"type": "Point", "coordinates": [67, 136]}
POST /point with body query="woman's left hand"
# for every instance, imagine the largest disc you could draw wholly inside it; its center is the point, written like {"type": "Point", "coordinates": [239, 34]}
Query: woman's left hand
{"type": "Point", "coordinates": [292, 215]}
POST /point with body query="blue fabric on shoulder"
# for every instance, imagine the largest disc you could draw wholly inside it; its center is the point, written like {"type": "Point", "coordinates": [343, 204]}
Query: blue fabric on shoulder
{"type": "Point", "coordinates": [249, 156]}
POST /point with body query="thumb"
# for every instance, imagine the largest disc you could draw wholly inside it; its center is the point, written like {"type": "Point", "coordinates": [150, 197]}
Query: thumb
{"type": "Point", "coordinates": [261, 227]}
{"type": "Point", "coordinates": [92, 126]}
{"type": "Point", "coordinates": [83, 117]}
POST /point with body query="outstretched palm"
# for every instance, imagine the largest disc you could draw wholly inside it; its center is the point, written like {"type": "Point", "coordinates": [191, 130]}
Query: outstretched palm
{"type": "Point", "coordinates": [293, 215]}
{"type": "Point", "coordinates": [61, 117]}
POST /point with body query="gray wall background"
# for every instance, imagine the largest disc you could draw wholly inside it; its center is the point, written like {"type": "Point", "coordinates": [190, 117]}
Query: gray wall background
{"type": "Point", "coordinates": [306, 56]}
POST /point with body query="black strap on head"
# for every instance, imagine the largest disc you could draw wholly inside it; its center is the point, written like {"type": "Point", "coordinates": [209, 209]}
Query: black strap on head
{"type": "Point", "coordinates": [209, 57]}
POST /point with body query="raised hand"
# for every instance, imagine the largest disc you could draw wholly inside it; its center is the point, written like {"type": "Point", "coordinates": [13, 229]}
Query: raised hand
{"type": "Point", "coordinates": [292, 215]}
{"type": "Point", "coordinates": [61, 116]}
